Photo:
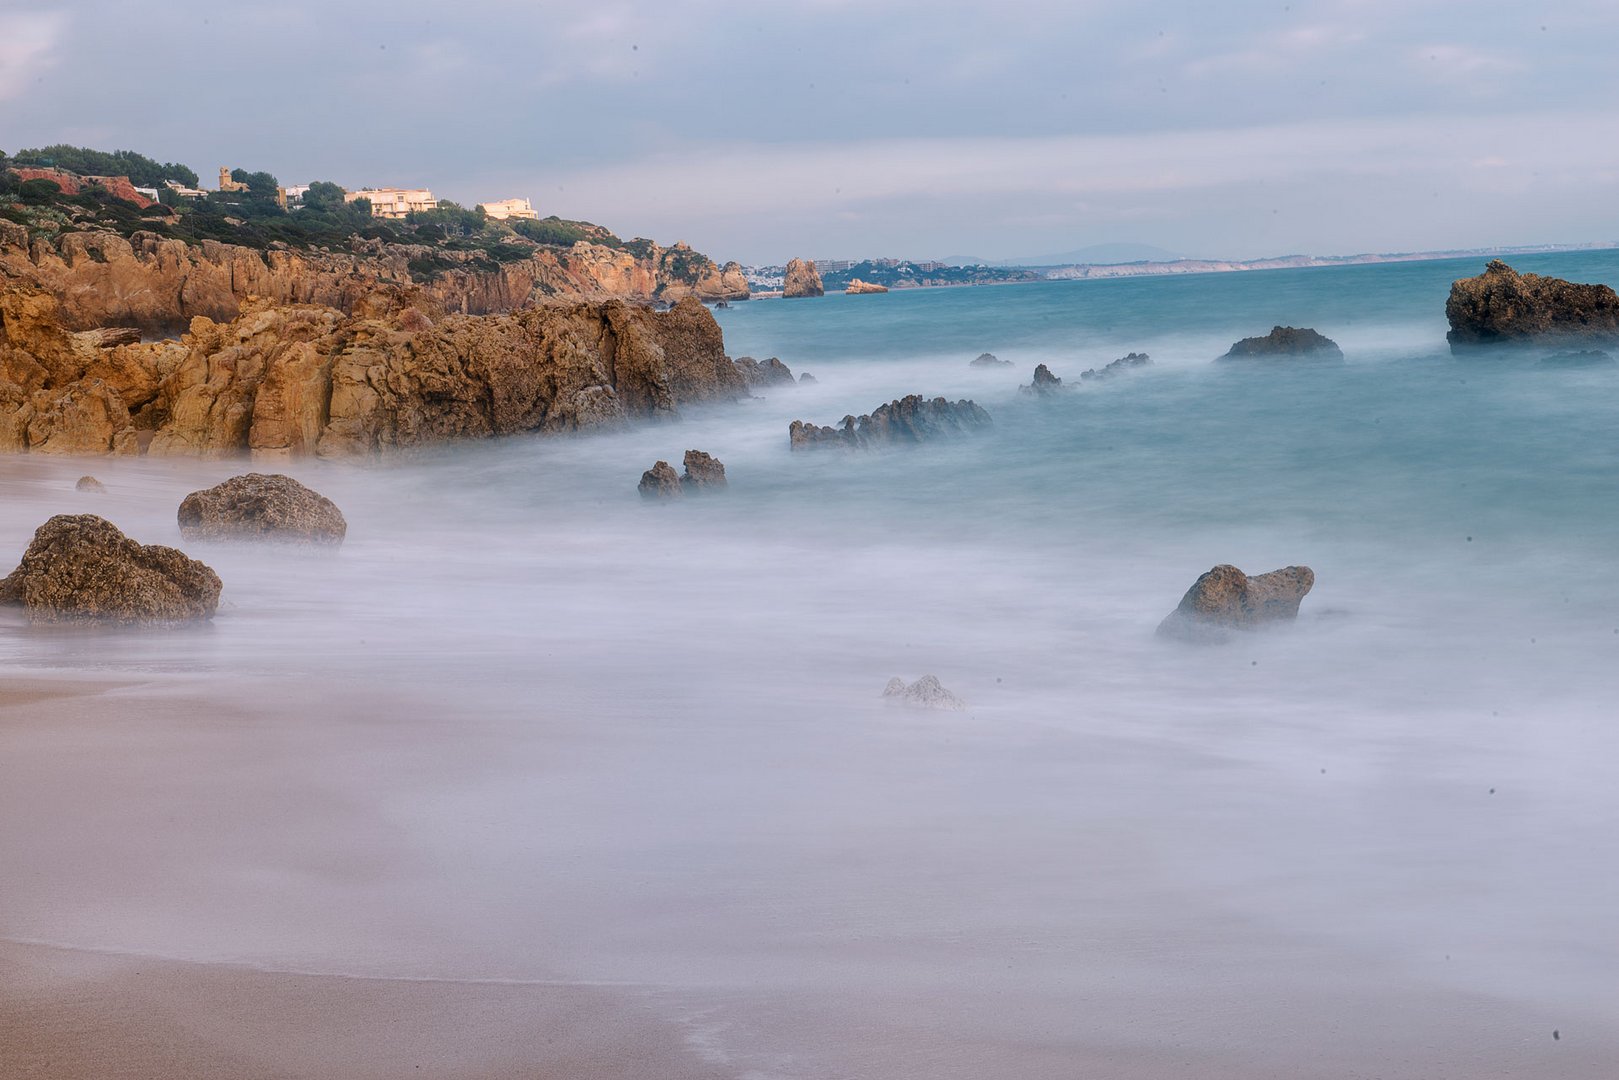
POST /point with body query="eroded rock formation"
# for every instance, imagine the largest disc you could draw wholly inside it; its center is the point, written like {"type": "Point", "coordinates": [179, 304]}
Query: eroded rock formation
{"type": "Point", "coordinates": [989, 360]}
{"type": "Point", "coordinates": [1044, 383]}
{"type": "Point", "coordinates": [259, 506]}
{"type": "Point", "coordinates": [1285, 341]}
{"type": "Point", "coordinates": [1117, 367]}
{"type": "Point", "coordinates": [1226, 599]}
{"type": "Point", "coordinates": [760, 373]}
{"type": "Point", "coordinates": [911, 419]}
{"type": "Point", "coordinates": [802, 280]}
{"type": "Point", "coordinates": [296, 380]}
{"type": "Point", "coordinates": [856, 287]}
{"type": "Point", "coordinates": [1502, 305]}
{"type": "Point", "coordinates": [81, 567]}
{"type": "Point", "coordinates": [660, 482]}
{"type": "Point", "coordinates": [703, 471]}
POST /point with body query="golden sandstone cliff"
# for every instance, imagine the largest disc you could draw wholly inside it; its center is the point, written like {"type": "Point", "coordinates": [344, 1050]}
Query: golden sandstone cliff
{"type": "Point", "coordinates": [159, 285]}
{"type": "Point", "coordinates": [294, 379]}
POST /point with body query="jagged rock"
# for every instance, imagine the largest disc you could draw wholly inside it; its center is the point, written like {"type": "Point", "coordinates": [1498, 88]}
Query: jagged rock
{"type": "Point", "coordinates": [911, 419]}
{"type": "Point", "coordinates": [802, 279]}
{"type": "Point", "coordinates": [856, 287]}
{"type": "Point", "coordinates": [1227, 599]}
{"type": "Point", "coordinates": [1502, 305]}
{"type": "Point", "coordinates": [80, 566]}
{"type": "Point", "coordinates": [925, 693]}
{"type": "Point", "coordinates": [771, 372]}
{"type": "Point", "coordinates": [1583, 358]}
{"type": "Point", "coordinates": [259, 506]}
{"type": "Point", "coordinates": [989, 360]}
{"type": "Point", "coordinates": [660, 482]}
{"type": "Point", "coordinates": [702, 471]}
{"type": "Point", "coordinates": [89, 483]}
{"type": "Point", "coordinates": [1044, 383]}
{"type": "Point", "coordinates": [1117, 367]}
{"type": "Point", "coordinates": [1285, 341]}
{"type": "Point", "coordinates": [805, 378]}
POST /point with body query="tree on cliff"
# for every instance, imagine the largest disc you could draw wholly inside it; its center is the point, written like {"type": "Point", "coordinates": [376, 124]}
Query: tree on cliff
{"type": "Point", "coordinates": [323, 195]}
{"type": "Point", "coordinates": [84, 161]}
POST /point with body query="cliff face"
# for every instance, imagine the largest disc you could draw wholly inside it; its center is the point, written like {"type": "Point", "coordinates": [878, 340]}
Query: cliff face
{"type": "Point", "coordinates": [303, 379]}
{"type": "Point", "coordinates": [160, 285]}
{"type": "Point", "coordinates": [1503, 305]}
{"type": "Point", "coordinates": [802, 280]}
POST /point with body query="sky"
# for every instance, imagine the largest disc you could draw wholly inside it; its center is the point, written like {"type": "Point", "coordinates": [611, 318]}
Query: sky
{"type": "Point", "coordinates": [838, 129]}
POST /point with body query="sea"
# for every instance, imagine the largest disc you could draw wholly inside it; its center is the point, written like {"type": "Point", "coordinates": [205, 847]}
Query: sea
{"type": "Point", "coordinates": [526, 726]}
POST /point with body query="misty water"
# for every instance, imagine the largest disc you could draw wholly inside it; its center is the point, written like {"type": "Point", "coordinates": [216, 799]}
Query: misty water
{"type": "Point", "coordinates": [528, 726]}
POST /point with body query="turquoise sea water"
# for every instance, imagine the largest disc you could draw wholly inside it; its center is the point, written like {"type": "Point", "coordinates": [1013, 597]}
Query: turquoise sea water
{"type": "Point", "coordinates": [566, 734]}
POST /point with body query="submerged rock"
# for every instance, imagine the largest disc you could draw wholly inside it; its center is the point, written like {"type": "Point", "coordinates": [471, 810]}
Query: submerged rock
{"type": "Point", "coordinates": [81, 567]}
{"type": "Point", "coordinates": [911, 419]}
{"type": "Point", "coordinates": [1285, 341]}
{"type": "Point", "coordinates": [1117, 367]}
{"type": "Point", "coordinates": [1044, 382]}
{"type": "Point", "coordinates": [89, 483]}
{"type": "Point", "coordinates": [989, 360]}
{"type": "Point", "coordinates": [756, 373]}
{"type": "Point", "coordinates": [1584, 358]}
{"type": "Point", "coordinates": [802, 279]}
{"type": "Point", "coordinates": [1502, 305]}
{"type": "Point", "coordinates": [1226, 599]}
{"type": "Point", "coordinates": [702, 471]}
{"type": "Point", "coordinates": [926, 693]}
{"type": "Point", "coordinates": [260, 506]}
{"type": "Point", "coordinates": [660, 482]}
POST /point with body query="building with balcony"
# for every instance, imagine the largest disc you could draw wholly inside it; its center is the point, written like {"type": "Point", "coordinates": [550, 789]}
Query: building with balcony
{"type": "Point", "coordinates": [394, 202]}
{"type": "Point", "coordinates": [509, 208]}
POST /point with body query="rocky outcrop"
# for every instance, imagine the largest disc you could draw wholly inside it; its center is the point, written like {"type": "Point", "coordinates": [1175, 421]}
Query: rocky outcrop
{"type": "Point", "coordinates": [1044, 384]}
{"type": "Point", "coordinates": [1285, 341]}
{"type": "Point", "coordinates": [259, 506]}
{"type": "Point", "coordinates": [924, 693]}
{"type": "Point", "coordinates": [703, 471]}
{"type": "Point", "coordinates": [805, 379]}
{"type": "Point", "coordinates": [89, 483]}
{"type": "Point", "coordinates": [912, 419]}
{"type": "Point", "coordinates": [1226, 599]}
{"type": "Point", "coordinates": [1502, 305]}
{"type": "Point", "coordinates": [856, 287]}
{"type": "Point", "coordinates": [802, 280]}
{"type": "Point", "coordinates": [160, 284]}
{"type": "Point", "coordinates": [989, 360]}
{"type": "Point", "coordinates": [81, 567]}
{"type": "Point", "coordinates": [763, 373]}
{"type": "Point", "coordinates": [300, 380]}
{"type": "Point", "coordinates": [1117, 367]}
{"type": "Point", "coordinates": [660, 482]}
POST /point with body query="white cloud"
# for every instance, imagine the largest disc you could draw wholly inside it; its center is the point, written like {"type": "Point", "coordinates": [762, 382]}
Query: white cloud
{"type": "Point", "coordinates": [27, 47]}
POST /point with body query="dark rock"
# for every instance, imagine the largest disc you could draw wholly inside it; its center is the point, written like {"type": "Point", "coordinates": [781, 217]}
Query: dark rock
{"type": "Point", "coordinates": [1503, 305]}
{"type": "Point", "coordinates": [1285, 341]}
{"type": "Point", "coordinates": [1044, 383]}
{"type": "Point", "coordinates": [1117, 367]}
{"type": "Point", "coordinates": [1227, 599]}
{"type": "Point", "coordinates": [260, 506]}
{"type": "Point", "coordinates": [989, 360]}
{"type": "Point", "coordinates": [755, 373]}
{"type": "Point", "coordinates": [805, 378]}
{"type": "Point", "coordinates": [660, 482]}
{"type": "Point", "coordinates": [702, 471]}
{"type": "Point", "coordinates": [89, 483]}
{"type": "Point", "coordinates": [1584, 358]}
{"type": "Point", "coordinates": [80, 567]}
{"type": "Point", "coordinates": [911, 419]}
{"type": "Point", "coordinates": [926, 693]}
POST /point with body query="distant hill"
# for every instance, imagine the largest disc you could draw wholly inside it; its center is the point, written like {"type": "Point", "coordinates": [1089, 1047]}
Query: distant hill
{"type": "Point", "coordinates": [1097, 255]}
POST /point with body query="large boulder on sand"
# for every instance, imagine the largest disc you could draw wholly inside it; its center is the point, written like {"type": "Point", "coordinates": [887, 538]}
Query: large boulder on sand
{"type": "Point", "coordinates": [1503, 305]}
{"type": "Point", "coordinates": [911, 419]}
{"type": "Point", "coordinates": [259, 506]}
{"type": "Point", "coordinates": [80, 566]}
{"type": "Point", "coordinates": [802, 280]}
{"type": "Point", "coordinates": [1227, 599]}
{"type": "Point", "coordinates": [1286, 341]}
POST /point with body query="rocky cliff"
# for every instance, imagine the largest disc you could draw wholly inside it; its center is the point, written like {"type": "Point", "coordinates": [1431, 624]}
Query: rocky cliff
{"type": "Point", "coordinates": [306, 379]}
{"type": "Point", "coordinates": [802, 280]}
{"type": "Point", "coordinates": [1503, 305]}
{"type": "Point", "coordinates": [160, 284]}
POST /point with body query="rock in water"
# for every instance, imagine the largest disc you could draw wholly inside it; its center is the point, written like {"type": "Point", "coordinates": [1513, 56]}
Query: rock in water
{"type": "Point", "coordinates": [911, 419]}
{"type": "Point", "coordinates": [771, 372]}
{"type": "Point", "coordinates": [802, 280]}
{"type": "Point", "coordinates": [1503, 305]}
{"type": "Point", "coordinates": [856, 287]}
{"type": "Point", "coordinates": [259, 506]}
{"type": "Point", "coordinates": [1044, 382]}
{"type": "Point", "coordinates": [1117, 367]}
{"type": "Point", "coordinates": [925, 693]}
{"type": "Point", "coordinates": [703, 471]}
{"type": "Point", "coordinates": [1285, 341]}
{"type": "Point", "coordinates": [1583, 358]}
{"type": "Point", "coordinates": [989, 360]}
{"type": "Point", "coordinates": [805, 378]}
{"type": "Point", "coordinates": [89, 483]}
{"type": "Point", "coordinates": [1227, 599]}
{"type": "Point", "coordinates": [80, 566]}
{"type": "Point", "coordinates": [660, 482]}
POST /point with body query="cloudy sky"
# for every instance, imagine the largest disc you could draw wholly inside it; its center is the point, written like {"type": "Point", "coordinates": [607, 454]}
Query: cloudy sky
{"type": "Point", "coordinates": [833, 128]}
